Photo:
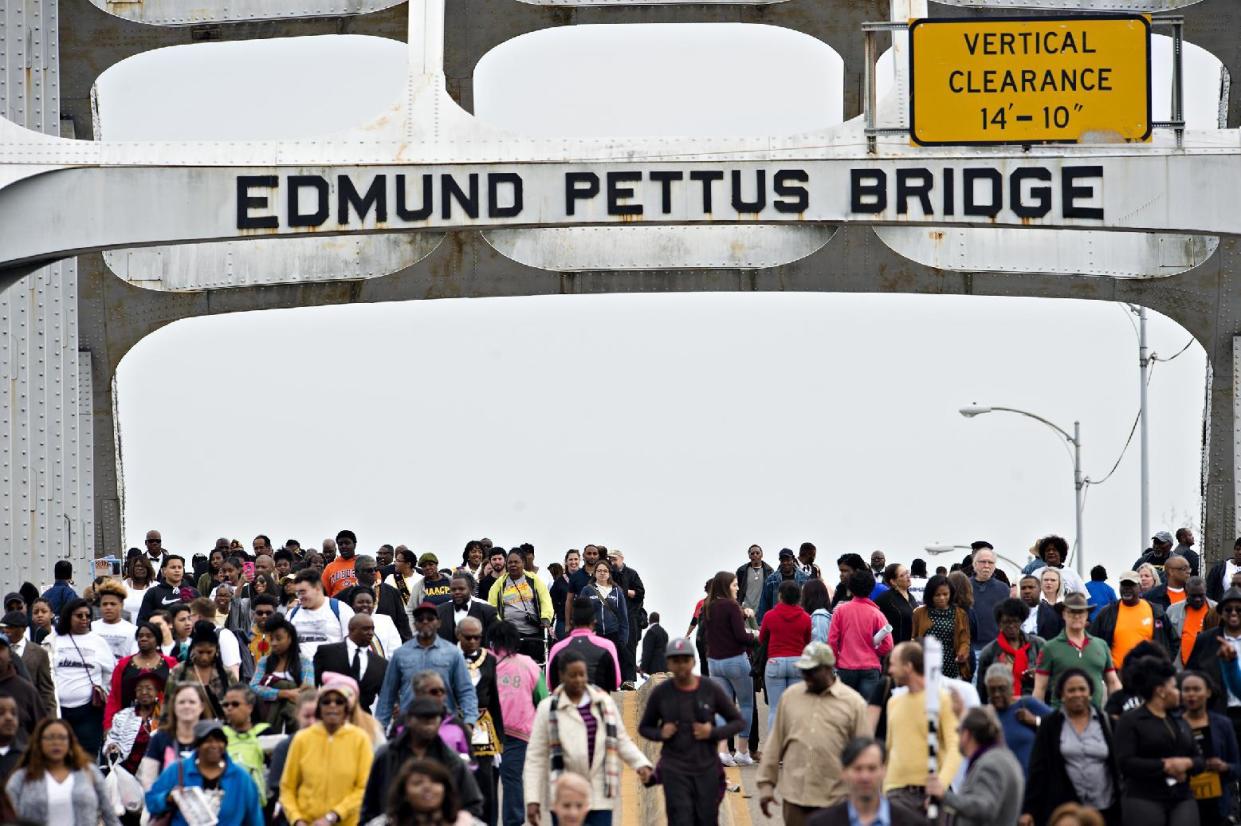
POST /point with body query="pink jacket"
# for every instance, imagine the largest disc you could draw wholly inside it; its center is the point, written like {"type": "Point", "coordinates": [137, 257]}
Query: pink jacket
{"type": "Point", "coordinates": [854, 624]}
{"type": "Point", "coordinates": [519, 681]}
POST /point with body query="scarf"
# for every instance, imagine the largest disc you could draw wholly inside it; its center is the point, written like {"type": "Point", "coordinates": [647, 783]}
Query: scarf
{"type": "Point", "coordinates": [486, 740]}
{"type": "Point", "coordinates": [607, 713]}
{"type": "Point", "coordinates": [402, 588]}
{"type": "Point", "coordinates": [1020, 658]}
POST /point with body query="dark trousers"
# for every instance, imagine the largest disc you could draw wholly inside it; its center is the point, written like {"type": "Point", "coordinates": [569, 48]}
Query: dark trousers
{"type": "Point", "coordinates": [627, 667]}
{"type": "Point", "coordinates": [511, 766]}
{"type": "Point", "coordinates": [488, 783]}
{"type": "Point", "coordinates": [864, 680]}
{"type": "Point", "coordinates": [1139, 812]}
{"type": "Point", "coordinates": [795, 815]}
{"type": "Point", "coordinates": [635, 636]}
{"type": "Point", "coordinates": [87, 723]}
{"type": "Point", "coordinates": [691, 799]}
{"type": "Point", "coordinates": [535, 648]}
{"type": "Point", "coordinates": [596, 817]}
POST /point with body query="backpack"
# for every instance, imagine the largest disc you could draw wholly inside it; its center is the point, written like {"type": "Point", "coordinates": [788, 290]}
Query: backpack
{"type": "Point", "coordinates": [245, 669]}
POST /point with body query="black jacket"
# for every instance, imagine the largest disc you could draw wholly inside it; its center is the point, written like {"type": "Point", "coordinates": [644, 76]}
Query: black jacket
{"type": "Point", "coordinates": [654, 646]}
{"type": "Point", "coordinates": [488, 692]}
{"type": "Point", "coordinates": [838, 815]}
{"type": "Point", "coordinates": [1142, 742]}
{"type": "Point", "coordinates": [1104, 627]}
{"type": "Point", "coordinates": [480, 611]}
{"type": "Point", "coordinates": [161, 595]}
{"type": "Point", "coordinates": [335, 657]}
{"type": "Point", "coordinates": [741, 579]}
{"type": "Point", "coordinates": [388, 601]}
{"type": "Point", "coordinates": [1150, 555]}
{"type": "Point", "coordinates": [1215, 580]}
{"type": "Point", "coordinates": [1049, 623]}
{"type": "Point", "coordinates": [629, 580]}
{"type": "Point", "coordinates": [1204, 657]}
{"type": "Point", "coordinates": [1047, 781]}
{"type": "Point", "coordinates": [600, 667]}
{"type": "Point", "coordinates": [388, 761]}
{"type": "Point", "coordinates": [899, 613]}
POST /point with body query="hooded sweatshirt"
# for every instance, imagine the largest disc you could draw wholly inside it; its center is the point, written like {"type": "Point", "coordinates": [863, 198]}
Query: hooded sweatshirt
{"type": "Point", "coordinates": [786, 630]}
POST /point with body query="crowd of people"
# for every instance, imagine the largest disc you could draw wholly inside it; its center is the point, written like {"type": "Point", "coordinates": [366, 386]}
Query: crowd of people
{"type": "Point", "coordinates": [321, 686]}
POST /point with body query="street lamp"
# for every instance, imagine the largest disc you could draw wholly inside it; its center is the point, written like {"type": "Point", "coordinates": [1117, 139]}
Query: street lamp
{"type": "Point", "coordinates": [1079, 482]}
{"type": "Point", "coordinates": [944, 549]}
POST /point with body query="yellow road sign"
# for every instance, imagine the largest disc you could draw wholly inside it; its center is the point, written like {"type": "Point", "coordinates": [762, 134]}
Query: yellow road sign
{"type": "Point", "coordinates": [1029, 79]}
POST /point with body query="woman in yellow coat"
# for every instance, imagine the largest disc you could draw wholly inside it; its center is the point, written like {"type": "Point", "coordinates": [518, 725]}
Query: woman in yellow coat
{"type": "Point", "coordinates": [328, 764]}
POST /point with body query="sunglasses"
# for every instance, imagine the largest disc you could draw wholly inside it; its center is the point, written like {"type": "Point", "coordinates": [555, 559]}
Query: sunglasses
{"type": "Point", "coordinates": [437, 692]}
{"type": "Point", "coordinates": [230, 704]}
{"type": "Point", "coordinates": [471, 636]}
{"type": "Point", "coordinates": [332, 701]}
{"type": "Point", "coordinates": [1231, 609]}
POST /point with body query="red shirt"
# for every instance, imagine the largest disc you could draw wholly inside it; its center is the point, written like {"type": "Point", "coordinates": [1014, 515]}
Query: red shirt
{"type": "Point", "coordinates": [786, 630]}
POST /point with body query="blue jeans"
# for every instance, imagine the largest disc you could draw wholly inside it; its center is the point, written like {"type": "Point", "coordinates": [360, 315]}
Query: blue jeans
{"type": "Point", "coordinates": [862, 680]}
{"type": "Point", "coordinates": [512, 762]}
{"type": "Point", "coordinates": [779, 675]}
{"type": "Point", "coordinates": [733, 674]}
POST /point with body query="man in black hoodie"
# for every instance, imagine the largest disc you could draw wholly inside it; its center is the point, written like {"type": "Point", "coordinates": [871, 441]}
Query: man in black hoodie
{"type": "Point", "coordinates": [1224, 640]}
{"type": "Point", "coordinates": [419, 741]}
{"type": "Point", "coordinates": [170, 590]}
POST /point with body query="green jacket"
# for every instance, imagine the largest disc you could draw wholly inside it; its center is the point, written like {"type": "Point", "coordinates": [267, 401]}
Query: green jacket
{"type": "Point", "coordinates": [247, 752]}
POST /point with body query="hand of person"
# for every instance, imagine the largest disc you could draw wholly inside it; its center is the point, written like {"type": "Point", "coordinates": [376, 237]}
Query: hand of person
{"type": "Point", "coordinates": [1214, 764]}
{"type": "Point", "coordinates": [934, 786]}
{"type": "Point", "coordinates": [289, 694]}
{"type": "Point", "coordinates": [1025, 820]}
{"type": "Point", "coordinates": [533, 813]}
{"type": "Point", "coordinates": [1226, 651]}
{"type": "Point", "coordinates": [1024, 715]}
{"type": "Point", "coordinates": [961, 658]}
{"type": "Point", "coordinates": [765, 802]}
{"type": "Point", "coordinates": [644, 774]}
{"type": "Point", "coordinates": [322, 821]}
{"type": "Point", "coordinates": [630, 593]}
{"type": "Point", "coordinates": [702, 731]}
{"type": "Point", "coordinates": [747, 612]}
{"type": "Point", "coordinates": [667, 730]}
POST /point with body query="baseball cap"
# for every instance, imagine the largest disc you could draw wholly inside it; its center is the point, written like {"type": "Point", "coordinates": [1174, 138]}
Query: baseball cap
{"type": "Point", "coordinates": [680, 647]}
{"type": "Point", "coordinates": [14, 597]}
{"type": "Point", "coordinates": [816, 655]}
{"type": "Point", "coordinates": [208, 728]}
{"type": "Point", "coordinates": [787, 553]}
{"type": "Point", "coordinates": [15, 619]}
{"type": "Point", "coordinates": [428, 557]}
{"type": "Point", "coordinates": [1130, 576]}
{"type": "Point", "coordinates": [425, 607]}
{"type": "Point", "coordinates": [1163, 536]}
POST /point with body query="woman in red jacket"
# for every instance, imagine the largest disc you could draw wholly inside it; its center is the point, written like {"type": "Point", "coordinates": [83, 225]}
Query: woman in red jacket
{"type": "Point", "coordinates": [785, 631]}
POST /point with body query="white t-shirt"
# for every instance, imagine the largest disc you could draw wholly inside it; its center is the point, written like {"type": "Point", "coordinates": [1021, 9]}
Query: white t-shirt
{"type": "Point", "coordinates": [120, 636]}
{"type": "Point", "coordinates": [133, 600]}
{"type": "Point", "coordinates": [59, 798]}
{"type": "Point", "coordinates": [230, 650]}
{"type": "Point", "coordinates": [320, 626]}
{"type": "Point", "coordinates": [74, 676]}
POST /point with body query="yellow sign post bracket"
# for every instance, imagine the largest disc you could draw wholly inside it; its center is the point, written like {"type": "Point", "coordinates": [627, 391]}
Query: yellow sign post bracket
{"type": "Point", "coordinates": [1024, 80]}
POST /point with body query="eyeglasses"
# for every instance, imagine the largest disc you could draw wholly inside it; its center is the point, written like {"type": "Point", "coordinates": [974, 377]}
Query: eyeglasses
{"type": "Point", "coordinates": [436, 692]}
{"type": "Point", "coordinates": [471, 636]}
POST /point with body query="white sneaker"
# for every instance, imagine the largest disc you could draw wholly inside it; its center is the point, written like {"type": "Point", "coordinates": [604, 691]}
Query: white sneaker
{"type": "Point", "coordinates": [743, 758]}
{"type": "Point", "coordinates": [727, 759]}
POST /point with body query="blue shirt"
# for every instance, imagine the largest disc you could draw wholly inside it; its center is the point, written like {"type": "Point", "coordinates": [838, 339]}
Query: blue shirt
{"type": "Point", "coordinates": [987, 595]}
{"type": "Point", "coordinates": [58, 595]}
{"type": "Point", "coordinates": [1101, 596]}
{"type": "Point", "coordinates": [442, 657]}
{"type": "Point", "coordinates": [882, 818]}
{"type": "Point", "coordinates": [1017, 735]}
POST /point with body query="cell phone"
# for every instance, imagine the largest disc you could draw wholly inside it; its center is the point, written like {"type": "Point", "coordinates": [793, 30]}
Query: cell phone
{"type": "Point", "coordinates": [247, 569]}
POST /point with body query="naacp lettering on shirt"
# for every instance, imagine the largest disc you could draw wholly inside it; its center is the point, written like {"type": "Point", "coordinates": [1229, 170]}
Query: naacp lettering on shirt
{"type": "Point", "coordinates": [438, 593]}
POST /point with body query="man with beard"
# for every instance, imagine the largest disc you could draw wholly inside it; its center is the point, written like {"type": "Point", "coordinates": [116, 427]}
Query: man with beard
{"type": "Point", "coordinates": [628, 580]}
{"type": "Point", "coordinates": [1157, 554]}
{"type": "Point", "coordinates": [1124, 624]}
{"type": "Point", "coordinates": [489, 731]}
{"type": "Point", "coordinates": [419, 741]}
{"type": "Point", "coordinates": [493, 571]}
{"type": "Point", "coordinates": [461, 606]}
{"type": "Point", "coordinates": [1191, 617]}
{"type": "Point", "coordinates": [787, 569]}
{"type": "Point", "coordinates": [387, 599]}
{"type": "Point", "coordinates": [427, 652]}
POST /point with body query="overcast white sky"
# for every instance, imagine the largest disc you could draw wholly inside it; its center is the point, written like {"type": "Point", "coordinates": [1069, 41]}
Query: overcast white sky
{"type": "Point", "coordinates": [680, 428]}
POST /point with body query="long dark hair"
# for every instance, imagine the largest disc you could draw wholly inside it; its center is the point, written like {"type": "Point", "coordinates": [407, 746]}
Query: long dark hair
{"type": "Point", "coordinates": [146, 566]}
{"type": "Point", "coordinates": [64, 623]}
{"type": "Point", "coordinates": [718, 590]}
{"type": "Point", "coordinates": [399, 810]}
{"type": "Point", "coordinates": [32, 758]}
{"type": "Point", "coordinates": [814, 596]}
{"type": "Point", "coordinates": [293, 657]}
{"type": "Point", "coordinates": [504, 638]}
